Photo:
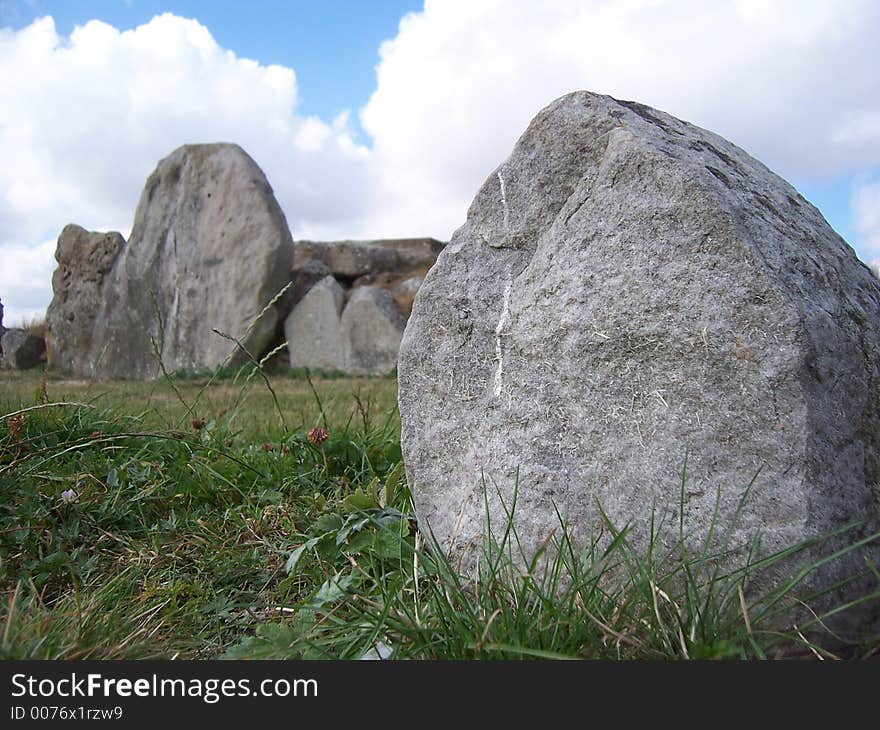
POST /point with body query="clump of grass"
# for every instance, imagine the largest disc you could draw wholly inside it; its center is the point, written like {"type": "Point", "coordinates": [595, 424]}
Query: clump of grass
{"type": "Point", "coordinates": [385, 594]}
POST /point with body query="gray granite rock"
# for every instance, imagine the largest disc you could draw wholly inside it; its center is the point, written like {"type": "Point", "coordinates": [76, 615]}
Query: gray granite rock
{"type": "Point", "coordinates": [209, 249]}
{"type": "Point", "coordinates": [396, 266]}
{"type": "Point", "coordinates": [301, 282]}
{"type": "Point", "coordinates": [358, 337]}
{"type": "Point", "coordinates": [372, 326]}
{"type": "Point", "coordinates": [315, 339]}
{"type": "Point", "coordinates": [405, 291]}
{"type": "Point", "coordinates": [21, 349]}
{"type": "Point", "coordinates": [84, 260]}
{"type": "Point", "coordinates": [628, 289]}
{"type": "Point", "coordinates": [351, 259]}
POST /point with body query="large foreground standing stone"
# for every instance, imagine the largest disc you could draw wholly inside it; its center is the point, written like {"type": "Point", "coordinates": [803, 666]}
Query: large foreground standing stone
{"type": "Point", "coordinates": [628, 288]}
{"type": "Point", "coordinates": [209, 249]}
{"type": "Point", "coordinates": [84, 260]}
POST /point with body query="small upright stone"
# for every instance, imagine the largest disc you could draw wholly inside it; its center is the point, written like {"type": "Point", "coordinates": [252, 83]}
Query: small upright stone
{"type": "Point", "coordinates": [372, 326]}
{"type": "Point", "coordinates": [84, 260]}
{"type": "Point", "coordinates": [314, 333]}
{"type": "Point", "coordinates": [404, 293]}
{"type": "Point", "coordinates": [22, 350]}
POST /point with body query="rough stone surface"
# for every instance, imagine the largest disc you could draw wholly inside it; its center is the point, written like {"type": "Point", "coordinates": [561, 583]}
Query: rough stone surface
{"type": "Point", "coordinates": [301, 282]}
{"type": "Point", "coordinates": [360, 338]}
{"type": "Point", "coordinates": [372, 326]}
{"type": "Point", "coordinates": [403, 288]}
{"type": "Point", "coordinates": [209, 249]}
{"type": "Point", "coordinates": [348, 259]}
{"type": "Point", "coordinates": [404, 293]}
{"type": "Point", "coordinates": [413, 253]}
{"type": "Point", "coordinates": [313, 329]}
{"type": "Point", "coordinates": [21, 349]}
{"type": "Point", "coordinates": [390, 271]}
{"type": "Point", "coordinates": [84, 260]}
{"type": "Point", "coordinates": [628, 287]}
{"type": "Point", "coordinates": [351, 259]}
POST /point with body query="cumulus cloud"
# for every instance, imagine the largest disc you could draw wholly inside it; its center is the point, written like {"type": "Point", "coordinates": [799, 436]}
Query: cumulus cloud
{"type": "Point", "coordinates": [87, 117]}
{"type": "Point", "coordinates": [794, 82]}
{"type": "Point", "coordinates": [26, 281]}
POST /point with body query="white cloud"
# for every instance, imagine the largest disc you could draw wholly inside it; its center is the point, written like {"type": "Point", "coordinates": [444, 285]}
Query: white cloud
{"type": "Point", "coordinates": [25, 281]}
{"type": "Point", "coordinates": [794, 82]}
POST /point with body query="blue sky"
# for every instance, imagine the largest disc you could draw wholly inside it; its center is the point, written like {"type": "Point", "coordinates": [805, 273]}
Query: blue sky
{"type": "Point", "coordinates": [383, 118]}
{"type": "Point", "coordinates": [332, 44]}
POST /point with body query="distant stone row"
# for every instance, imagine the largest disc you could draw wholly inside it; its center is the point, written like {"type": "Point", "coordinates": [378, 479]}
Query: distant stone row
{"type": "Point", "coordinates": [211, 276]}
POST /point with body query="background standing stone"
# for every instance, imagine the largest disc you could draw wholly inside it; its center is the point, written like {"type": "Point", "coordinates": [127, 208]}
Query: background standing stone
{"type": "Point", "coordinates": [313, 330]}
{"type": "Point", "coordinates": [377, 281]}
{"type": "Point", "coordinates": [21, 349]}
{"type": "Point", "coordinates": [372, 326]}
{"type": "Point", "coordinates": [84, 260]}
{"type": "Point", "coordinates": [209, 249]}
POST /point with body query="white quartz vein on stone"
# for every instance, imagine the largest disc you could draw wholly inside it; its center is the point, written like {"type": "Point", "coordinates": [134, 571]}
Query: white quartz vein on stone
{"type": "Point", "coordinates": [504, 203]}
{"type": "Point", "coordinates": [499, 350]}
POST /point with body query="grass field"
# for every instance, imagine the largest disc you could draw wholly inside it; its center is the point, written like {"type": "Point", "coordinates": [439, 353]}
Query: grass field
{"type": "Point", "coordinates": [250, 405]}
{"type": "Point", "coordinates": [270, 518]}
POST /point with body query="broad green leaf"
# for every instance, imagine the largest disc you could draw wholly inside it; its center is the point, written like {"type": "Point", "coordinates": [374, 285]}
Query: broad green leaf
{"type": "Point", "coordinates": [359, 501]}
{"type": "Point", "coordinates": [296, 554]}
{"type": "Point", "coordinates": [388, 545]}
{"type": "Point", "coordinates": [392, 484]}
{"type": "Point", "coordinates": [353, 524]}
{"type": "Point", "coordinates": [331, 590]}
{"type": "Point", "coordinates": [328, 523]}
{"type": "Point", "coordinates": [361, 542]}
